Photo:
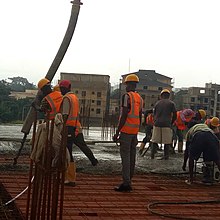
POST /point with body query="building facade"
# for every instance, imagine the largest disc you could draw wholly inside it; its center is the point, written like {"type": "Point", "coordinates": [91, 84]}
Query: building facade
{"type": "Point", "coordinates": [149, 87]}
{"type": "Point", "coordinates": [207, 98]}
{"type": "Point", "coordinates": [93, 93]}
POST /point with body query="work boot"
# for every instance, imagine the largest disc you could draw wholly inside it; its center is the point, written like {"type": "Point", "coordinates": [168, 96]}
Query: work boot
{"type": "Point", "coordinates": [166, 151]}
{"type": "Point", "coordinates": [153, 149]}
{"type": "Point", "coordinates": [70, 175]}
{"type": "Point", "coordinates": [180, 147]}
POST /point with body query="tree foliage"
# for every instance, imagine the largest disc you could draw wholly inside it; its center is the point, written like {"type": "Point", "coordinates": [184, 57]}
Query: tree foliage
{"type": "Point", "coordinates": [10, 108]}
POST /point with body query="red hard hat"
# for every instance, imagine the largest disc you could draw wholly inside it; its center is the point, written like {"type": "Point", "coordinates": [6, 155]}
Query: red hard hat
{"type": "Point", "coordinates": [65, 83]}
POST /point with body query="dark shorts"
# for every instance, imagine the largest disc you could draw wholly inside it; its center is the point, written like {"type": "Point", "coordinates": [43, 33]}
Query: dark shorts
{"type": "Point", "coordinates": [204, 143]}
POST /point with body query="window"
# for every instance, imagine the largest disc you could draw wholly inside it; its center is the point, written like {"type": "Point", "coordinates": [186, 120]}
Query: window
{"type": "Point", "coordinates": [93, 101]}
{"type": "Point", "coordinates": [98, 111]}
{"type": "Point", "coordinates": [99, 94]}
{"type": "Point", "coordinates": [145, 87]}
{"type": "Point", "coordinates": [83, 93]}
{"type": "Point", "coordinates": [76, 92]}
{"type": "Point", "coordinates": [92, 109]}
{"type": "Point", "coordinates": [160, 88]}
{"type": "Point", "coordinates": [206, 100]}
{"type": "Point", "coordinates": [93, 93]}
{"type": "Point", "coordinates": [98, 102]}
{"type": "Point", "coordinates": [192, 99]}
{"type": "Point", "coordinates": [202, 91]}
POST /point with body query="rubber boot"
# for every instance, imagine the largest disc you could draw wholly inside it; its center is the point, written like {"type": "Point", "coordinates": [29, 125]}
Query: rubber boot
{"type": "Point", "coordinates": [180, 147]}
{"type": "Point", "coordinates": [70, 175]}
{"type": "Point", "coordinates": [153, 149]}
{"type": "Point", "coordinates": [141, 148]}
{"type": "Point", "coordinates": [166, 151]}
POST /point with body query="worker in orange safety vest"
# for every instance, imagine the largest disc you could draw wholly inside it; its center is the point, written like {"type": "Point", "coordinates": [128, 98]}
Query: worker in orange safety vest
{"type": "Point", "coordinates": [183, 117]}
{"type": "Point", "coordinates": [52, 99]}
{"type": "Point", "coordinates": [126, 133]}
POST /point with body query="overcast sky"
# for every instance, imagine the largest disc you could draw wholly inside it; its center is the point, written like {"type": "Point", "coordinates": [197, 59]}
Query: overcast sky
{"type": "Point", "coordinates": [176, 38]}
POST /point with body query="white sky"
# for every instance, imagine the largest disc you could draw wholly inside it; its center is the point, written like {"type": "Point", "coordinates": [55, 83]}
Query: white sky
{"type": "Point", "coordinates": [177, 38]}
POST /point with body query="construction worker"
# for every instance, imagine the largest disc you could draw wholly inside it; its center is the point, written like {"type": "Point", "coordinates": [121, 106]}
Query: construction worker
{"type": "Point", "coordinates": [56, 88]}
{"type": "Point", "coordinates": [148, 124]}
{"type": "Point", "coordinates": [213, 123]}
{"type": "Point", "coordinates": [126, 133]}
{"type": "Point", "coordinates": [164, 117]}
{"type": "Point", "coordinates": [199, 117]}
{"type": "Point", "coordinates": [70, 112]}
{"type": "Point", "coordinates": [201, 140]}
{"type": "Point", "coordinates": [52, 99]}
{"type": "Point", "coordinates": [183, 117]}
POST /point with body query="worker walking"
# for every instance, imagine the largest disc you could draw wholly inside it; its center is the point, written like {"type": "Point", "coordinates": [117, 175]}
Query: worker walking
{"type": "Point", "coordinates": [164, 117]}
{"type": "Point", "coordinates": [126, 133]}
{"type": "Point", "coordinates": [180, 125]}
{"type": "Point", "coordinates": [70, 112]}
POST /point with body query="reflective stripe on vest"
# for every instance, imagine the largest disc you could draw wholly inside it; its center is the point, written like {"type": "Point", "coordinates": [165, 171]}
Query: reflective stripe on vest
{"type": "Point", "coordinates": [132, 123]}
{"type": "Point", "coordinates": [54, 99]}
{"type": "Point", "coordinates": [74, 110]}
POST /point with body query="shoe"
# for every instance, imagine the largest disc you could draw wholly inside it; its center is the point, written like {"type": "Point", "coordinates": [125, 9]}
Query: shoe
{"type": "Point", "coordinates": [123, 188]}
{"type": "Point", "coordinates": [95, 162]}
{"type": "Point", "coordinates": [70, 184]}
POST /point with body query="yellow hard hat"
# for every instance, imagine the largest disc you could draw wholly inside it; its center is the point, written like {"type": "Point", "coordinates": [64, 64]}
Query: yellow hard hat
{"type": "Point", "coordinates": [165, 91]}
{"type": "Point", "coordinates": [42, 83]}
{"type": "Point", "coordinates": [214, 122]}
{"type": "Point", "coordinates": [202, 113]}
{"type": "Point", "coordinates": [131, 78]}
{"type": "Point", "coordinates": [56, 88]}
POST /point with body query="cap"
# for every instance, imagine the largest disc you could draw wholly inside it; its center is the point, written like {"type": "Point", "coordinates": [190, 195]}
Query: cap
{"type": "Point", "coordinates": [165, 91]}
{"type": "Point", "coordinates": [65, 83]}
{"type": "Point", "coordinates": [214, 122]}
{"type": "Point", "coordinates": [131, 78]}
{"type": "Point", "coordinates": [202, 113]}
{"type": "Point", "coordinates": [42, 83]}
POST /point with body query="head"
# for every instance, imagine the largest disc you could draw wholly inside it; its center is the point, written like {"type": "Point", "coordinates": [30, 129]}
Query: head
{"type": "Point", "coordinates": [45, 86]}
{"type": "Point", "coordinates": [65, 86]}
{"type": "Point", "coordinates": [56, 88]}
{"type": "Point", "coordinates": [187, 114]}
{"type": "Point", "coordinates": [165, 94]}
{"type": "Point", "coordinates": [131, 81]}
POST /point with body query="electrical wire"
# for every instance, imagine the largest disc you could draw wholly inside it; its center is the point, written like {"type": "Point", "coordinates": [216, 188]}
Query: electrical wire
{"type": "Point", "coordinates": [153, 204]}
{"type": "Point", "coordinates": [17, 196]}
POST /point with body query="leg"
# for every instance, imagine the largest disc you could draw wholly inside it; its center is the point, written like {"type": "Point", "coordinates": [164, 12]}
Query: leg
{"type": "Point", "coordinates": [80, 142]}
{"type": "Point", "coordinates": [166, 151]}
{"type": "Point", "coordinates": [133, 155]}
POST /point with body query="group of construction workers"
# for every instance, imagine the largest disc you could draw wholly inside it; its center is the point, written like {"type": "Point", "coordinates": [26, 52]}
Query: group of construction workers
{"type": "Point", "coordinates": [61, 102]}
{"type": "Point", "coordinates": [164, 125]}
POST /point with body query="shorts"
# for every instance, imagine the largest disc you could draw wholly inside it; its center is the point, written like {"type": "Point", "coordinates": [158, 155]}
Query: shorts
{"type": "Point", "coordinates": [162, 135]}
{"type": "Point", "coordinates": [205, 143]}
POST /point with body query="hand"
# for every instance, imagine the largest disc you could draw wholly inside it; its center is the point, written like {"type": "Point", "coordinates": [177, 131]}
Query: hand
{"type": "Point", "coordinates": [115, 137]}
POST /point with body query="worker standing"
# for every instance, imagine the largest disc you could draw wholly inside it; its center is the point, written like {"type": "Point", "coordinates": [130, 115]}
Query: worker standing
{"type": "Point", "coordinates": [164, 117]}
{"type": "Point", "coordinates": [183, 117]}
{"type": "Point", "coordinates": [127, 131]}
{"type": "Point", "coordinates": [70, 111]}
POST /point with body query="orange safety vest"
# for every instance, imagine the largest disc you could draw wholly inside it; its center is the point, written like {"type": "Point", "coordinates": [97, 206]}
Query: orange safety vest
{"type": "Point", "coordinates": [73, 118]}
{"type": "Point", "coordinates": [54, 99]}
{"type": "Point", "coordinates": [132, 123]}
{"type": "Point", "coordinates": [179, 122]}
{"type": "Point", "coordinates": [150, 119]}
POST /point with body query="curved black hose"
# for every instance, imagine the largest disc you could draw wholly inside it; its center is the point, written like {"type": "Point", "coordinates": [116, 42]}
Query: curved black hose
{"type": "Point", "coordinates": [153, 204]}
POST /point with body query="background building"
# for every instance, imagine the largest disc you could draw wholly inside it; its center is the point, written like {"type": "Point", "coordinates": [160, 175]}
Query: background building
{"type": "Point", "coordinates": [93, 92]}
{"type": "Point", "coordinates": [207, 98]}
{"type": "Point", "coordinates": [150, 86]}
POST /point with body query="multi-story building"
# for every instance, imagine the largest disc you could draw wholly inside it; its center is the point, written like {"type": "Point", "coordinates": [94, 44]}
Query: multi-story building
{"type": "Point", "coordinates": [207, 98]}
{"type": "Point", "coordinates": [149, 86]}
{"type": "Point", "coordinates": [93, 92]}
